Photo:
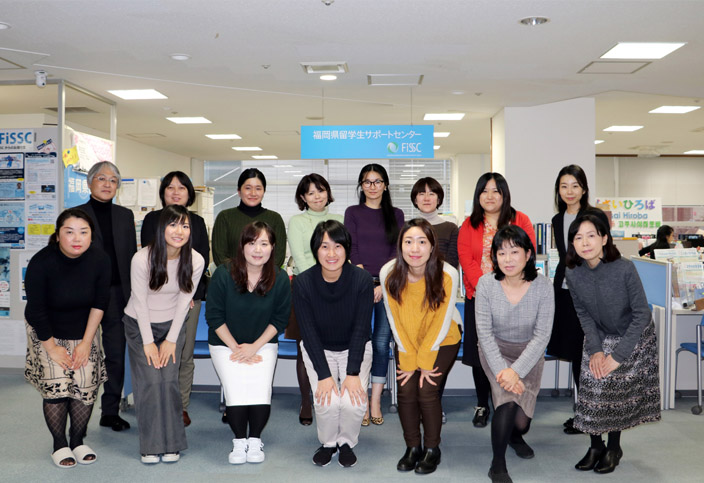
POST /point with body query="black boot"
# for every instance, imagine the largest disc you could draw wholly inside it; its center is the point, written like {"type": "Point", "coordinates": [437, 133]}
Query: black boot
{"type": "Point", "coordinates": [590, 459]}
{"type": "Point", "coordinates": [429, 461]}
{"type": "Point", "coordinates": [409, 459]}
{"type": "Point", "coordinates": [609, 461]}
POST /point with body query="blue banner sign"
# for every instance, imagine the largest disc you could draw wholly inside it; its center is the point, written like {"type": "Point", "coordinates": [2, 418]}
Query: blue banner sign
{"type": "Point", "coordinates": [367, 142]}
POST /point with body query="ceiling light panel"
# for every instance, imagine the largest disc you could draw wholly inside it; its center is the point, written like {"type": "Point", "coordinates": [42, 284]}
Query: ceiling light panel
{"type": "Point", "coordinates": [436, 148]}
{"type": "Point", "coordinates": [642, 50]}
{"type": "Point", "coordinates": [598, 141]}
{"type": "Point", "coordinates": [623, 128]}
{"type": "Point", "coordinates": [138, 94]}
{"type": "Point", "coordinates": [613, 67]}
{"type": "Point", "coordinates": [394, 79]}
{"type": "Point", "coordinates": [318, 68]}
{"type": "Point", "coordinates": [447, 116]}
{"type": "Point", "coordinates": [189, 120]}
{"type": "Point", "coordinates": [265, 156]}
{"type": "Point", "coordinates": [247, 148]}
{"type": "Point", "coordinates": [223, 136]}
{"type": "Point", "coordinates": [695, 151]}
{"type": "Point", "coordinates": [440, 134]}
{"type": "Point", "coordinates": [674, 109]}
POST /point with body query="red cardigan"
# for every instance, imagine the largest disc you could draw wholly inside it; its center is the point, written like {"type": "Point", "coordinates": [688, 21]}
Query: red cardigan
{"type": "Point", "coordinates": [469, 249]}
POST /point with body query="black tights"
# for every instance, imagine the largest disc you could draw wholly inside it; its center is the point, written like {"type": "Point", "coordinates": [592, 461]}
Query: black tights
{"type": "Point", "coordinates": [510, 423]}
{"type": "Point", "coordinates": [304, 385]}
{"type": "Point", "coordinates": [481, 383]}
{"type": "Point", "coordinates": [256, 417]}
{"type": "Point", "coordinates": [614, 441]}
{"type": "Point", "coordinates": [56, 412]}
{"type": "Point", "coordinates": [576, 369]}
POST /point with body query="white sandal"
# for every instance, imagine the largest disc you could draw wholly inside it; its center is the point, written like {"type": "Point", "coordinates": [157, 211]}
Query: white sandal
{"type": "Point", "coordinates": [83, 451]}
{"type": "Point", "coordinates": [62, 454]}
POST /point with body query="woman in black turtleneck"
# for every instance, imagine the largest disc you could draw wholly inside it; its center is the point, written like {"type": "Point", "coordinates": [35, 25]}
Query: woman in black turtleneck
{"type": "Point", "coordinates": [251, 187]}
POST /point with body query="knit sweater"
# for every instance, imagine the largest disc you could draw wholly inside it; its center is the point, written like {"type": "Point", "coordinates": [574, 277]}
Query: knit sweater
{"type": "Point", "coordinates": [300, 231]}
{"type": "Point", "coordinates": [246, 314]}
{"type": "Point", "coordinates": [609, 300]}
{"type": "Point", "coordinates": [149, 306]}
{"type": "Point", "coordinates": [530, 320]}
{"type": "Point", "coordinates": [369, 245]}
{"type": "Point", "coordinates": [228, 228]}
{"type": "Point", "coordinates": [446, 233]}
{"type": "Point", "coordinates": [61, 291]}
{"type": "Point", "coordinates": [419, 332]}
{"type": "Point", "coordinates": [334, 316]}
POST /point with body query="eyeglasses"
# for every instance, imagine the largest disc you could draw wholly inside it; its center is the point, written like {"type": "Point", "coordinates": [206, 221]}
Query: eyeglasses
{"type": "Point", "coordinates": [377, 183]}
{"type": "Point", "coordinates": [103, 179]}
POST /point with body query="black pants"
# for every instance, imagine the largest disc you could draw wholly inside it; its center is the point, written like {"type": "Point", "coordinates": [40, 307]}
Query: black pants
{"type": "Point", "coordinates": [113, 332]}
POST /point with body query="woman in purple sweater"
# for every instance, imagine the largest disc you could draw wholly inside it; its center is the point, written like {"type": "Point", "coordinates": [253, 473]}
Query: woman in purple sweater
{"type": "Point", "coordinates": [374, 225]}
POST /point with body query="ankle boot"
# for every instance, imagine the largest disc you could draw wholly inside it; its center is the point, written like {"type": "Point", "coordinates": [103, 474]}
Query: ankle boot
{"type": "Point", "coordinates": [410, 459]}
{"type": "Point", "coordinates": [429, 461]}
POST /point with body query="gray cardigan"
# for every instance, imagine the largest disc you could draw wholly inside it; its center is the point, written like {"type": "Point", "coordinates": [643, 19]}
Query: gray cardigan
{"type": "Point", "coordinates": [530, 320]}
{"type": "Point", "coordinates": [609, 300]}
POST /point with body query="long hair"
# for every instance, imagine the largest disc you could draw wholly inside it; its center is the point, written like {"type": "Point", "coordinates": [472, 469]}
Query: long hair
{"type": "Point", "coordinates": [158, 258]}
{"type": "Point", "coordinates": [304, 185]}
{"type": "Point", "coordinates": [507, 213]}
{"type": "Point", "coordinates": [65, 215]}
{"type": "Point", "coordinates": [662, 235]}
{"type": "Point", "coordinates": [515, 236]}
{"type": "Point", "coordinates": [610, 254]}
{"type": "Point", "coordinates": [337, 233]}
{"type": "Point", "coordinates": [184, 180]}
{"type": "Point", "coordinates": [398, 277]}
{"type": "Point", "coordinates": [238, 265]}
{"type": "Point", "coordinates": [387, 208]}
{"type": "Point", "coordinates": [581, 177]}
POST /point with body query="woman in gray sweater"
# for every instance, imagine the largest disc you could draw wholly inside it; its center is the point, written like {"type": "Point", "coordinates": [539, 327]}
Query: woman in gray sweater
{"type": "Point", "coordinates": [514, 310]}
{"type": "Point", "coordinates": [619, 386]}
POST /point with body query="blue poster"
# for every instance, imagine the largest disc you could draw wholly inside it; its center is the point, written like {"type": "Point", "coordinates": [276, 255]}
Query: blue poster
{"type": "Point", "coordinates": [367, 142]}
{"type": "Point", "coordinates": [76, 191]}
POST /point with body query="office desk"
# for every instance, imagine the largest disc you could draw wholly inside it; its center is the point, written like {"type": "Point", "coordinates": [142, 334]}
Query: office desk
{"type": "Point", "coordinates": [683, 323]}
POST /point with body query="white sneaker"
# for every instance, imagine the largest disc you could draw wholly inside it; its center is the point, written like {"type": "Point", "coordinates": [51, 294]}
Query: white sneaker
{"type": "Point", "coordinates": [238, 456]}
{"type": "Point", "coordinates": [150, 459]}
{"type": "Point", "coordinates": [254, 450]}
{"type": "Point", "coordinates": [170, 457]}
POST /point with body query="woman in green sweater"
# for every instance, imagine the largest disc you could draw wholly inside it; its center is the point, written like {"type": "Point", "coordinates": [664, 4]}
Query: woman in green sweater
{"type": "Point", "coordinates": [249, 301]}
{"type": "Point", "coordinates": [229, 223]}
{"type": "Point", "coordinates": [313, 196]}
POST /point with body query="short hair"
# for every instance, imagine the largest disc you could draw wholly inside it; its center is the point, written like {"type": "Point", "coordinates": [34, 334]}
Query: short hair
{"type": "Point", "coordinates": [337, 233]}
{"type": "Point", "coordinates": [581, 177]}
{"type": "Point", "coordinates": [507, 213]}
{"type": "Point", "coordinates": [304, 185]}
{"type": "Point", "coordinates": [515, 236]}
{"type": "Point", "coordinates": [97, 167]}
{"type": "Point", "coordinates": [431, 183]}
{"type": "Point", "coordinates": [611, 253]}
{"type": "Point", "coordinates": [184, 180]}
{"type": "Point", "coordinates": [251, 173]}
{"type": "Point", "coordinates": [71, 213]}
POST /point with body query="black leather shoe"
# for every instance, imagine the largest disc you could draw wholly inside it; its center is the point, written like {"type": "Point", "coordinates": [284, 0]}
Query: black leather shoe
{"type": "Point", "coordinates": [590, 459]}
{"type": "Point", "coordinates": [609, 461]}
{"type": "Point", "coordinates": [499, 477]}
{"type": "Point", "coordinates": [569, 427]}
{"type": "Point", "coordinates": [429, 461]}
{"type": "Point", "coordinates": [410, 459]}
{"type": "Point", "coordinates": [481, 416]}
{"type": "Point", "coordinates": [114, 421]}
{"type": "Point", "coordinates": [522, 449]}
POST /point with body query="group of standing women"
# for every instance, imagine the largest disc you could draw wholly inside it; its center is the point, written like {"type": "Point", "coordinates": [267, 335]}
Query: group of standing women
{"type": "Point", "coordinates": [402, 282]}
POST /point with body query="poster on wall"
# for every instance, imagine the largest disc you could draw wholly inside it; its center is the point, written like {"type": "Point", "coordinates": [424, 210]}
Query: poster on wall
{"type": "Point", "coordinates": [87, 150]}
{"type": "Point", "coordinates": [632, 215]}
{"type": "Point", "coordinates": [24, 259]}
{"type": "Point", "coordinates": [12, 224]}
{"type": "Point", "coordinates": [4, 282]}
{"type": "Point", "coordinates": [12, 176]}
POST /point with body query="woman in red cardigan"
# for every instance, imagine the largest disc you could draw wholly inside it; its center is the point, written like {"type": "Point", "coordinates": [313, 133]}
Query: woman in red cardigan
{"type": "Point", "coordinates": [492, 210]}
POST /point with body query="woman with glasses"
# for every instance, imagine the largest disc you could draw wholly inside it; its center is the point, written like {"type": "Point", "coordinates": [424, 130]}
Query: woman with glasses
{"type": "Point", "coordinates": [374, 225]}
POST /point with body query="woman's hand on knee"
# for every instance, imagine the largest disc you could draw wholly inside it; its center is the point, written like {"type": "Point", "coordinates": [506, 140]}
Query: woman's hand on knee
{"type": "Point", "coordinates": [323, 393]}
{"type": "Point", "coordinates": [403, 376]}
{"type": "Point", "coordinates": [426, 375]}
{"type": "Point", "coordinates": [357, 394]}
{"type": "Point", "coordinates": [609, 365]}
{"type": "Point", "coordinates": [60, 355]}
{"type": "Point", "coordinates": [80, 355]}
{"type": "Point", "coordinates": [151, 351]}
{"type": "Point", "coordinates": [167, 350]}
{"type": "Point", "coordinates": [596, 364]}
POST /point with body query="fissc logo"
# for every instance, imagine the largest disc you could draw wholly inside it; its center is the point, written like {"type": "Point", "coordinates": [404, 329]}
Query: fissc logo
{"type": "Point", "coordinates": [392, 147]}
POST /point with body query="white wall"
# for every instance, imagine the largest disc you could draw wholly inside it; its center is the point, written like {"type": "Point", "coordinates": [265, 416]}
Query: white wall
{"type": "Point", "coordinates": [137, 160]}
{"type": "Point", "coordinates": [467, 168]}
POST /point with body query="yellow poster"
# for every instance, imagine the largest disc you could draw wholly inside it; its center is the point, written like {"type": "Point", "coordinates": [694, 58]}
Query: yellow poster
{"type": "Point", "coordinates": [70, 156]}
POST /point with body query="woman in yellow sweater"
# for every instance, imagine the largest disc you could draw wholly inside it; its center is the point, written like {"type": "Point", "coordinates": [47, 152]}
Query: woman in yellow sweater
{"type": "Point", "coordinates": [419, 293]}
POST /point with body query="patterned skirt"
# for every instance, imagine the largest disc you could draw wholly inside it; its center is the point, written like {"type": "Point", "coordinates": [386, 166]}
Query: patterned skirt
{"type": "Point", "coordinates": [627, 397]}
{"type": "Point", "coordinates": [53, 381]}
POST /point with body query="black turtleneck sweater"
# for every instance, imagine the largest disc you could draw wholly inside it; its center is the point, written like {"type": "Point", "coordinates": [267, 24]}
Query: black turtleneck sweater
{"type": "Point", "coordinates": [103, 213]}
{"type": "Point", "coordinates": [61, 291]}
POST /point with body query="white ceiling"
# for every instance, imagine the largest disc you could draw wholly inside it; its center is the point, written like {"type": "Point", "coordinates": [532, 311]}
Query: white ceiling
{"type": "Point", "coordinates": [476, 47]}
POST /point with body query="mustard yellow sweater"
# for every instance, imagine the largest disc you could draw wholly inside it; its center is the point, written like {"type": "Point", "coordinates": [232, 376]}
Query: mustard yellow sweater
{"type": "Point", "coordinates": [419, 332]}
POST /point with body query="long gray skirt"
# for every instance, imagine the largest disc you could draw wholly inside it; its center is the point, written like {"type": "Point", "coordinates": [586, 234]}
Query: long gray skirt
{"type": "Point", "coordinates": [627, 397]}
{"type": "Point", "coordinates": [157, 397]}
{"type": "Point", "coordinates": [510, 352]}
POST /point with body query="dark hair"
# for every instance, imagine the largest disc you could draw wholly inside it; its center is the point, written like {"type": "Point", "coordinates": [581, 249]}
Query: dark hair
{"type": "Point", "coordinates": [432, 184]}
{"type": "Point", "coordinates": [507, 214]}
{"type": "Point", "coordinates": [158, 258]}
{"type": "Point", "coordinates": [387, 208]}
{"type": "Point", "coordinates": [304, 185]}
{"type": "Point", "coordinates": [71, 213]}
{"type": "Point", "coordinates": [662, 235]}
{"type": "Point", "coordinates": [398, 277]}
{"type": "Point", "coordinates": [251, 173]}
{"type": "Point", "coordinates": [184, 180]}
{"type": "Point", "coordinates": [581, 177]}
{"type": "Point", "coordinates": [611, 253]}
{"type": "Point", "coordinates": [515, 236]}
{"type": "Point", "coordinates": [337, 233]}
{"type": "Point", "coordinates": [238, 265]}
